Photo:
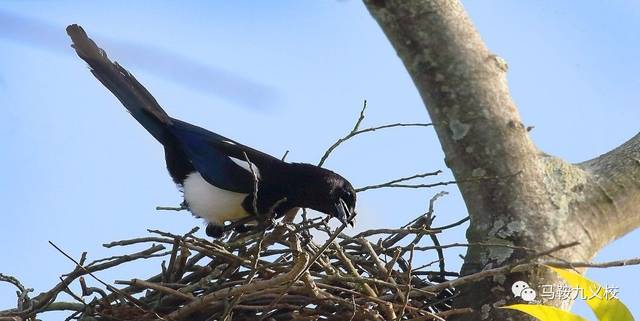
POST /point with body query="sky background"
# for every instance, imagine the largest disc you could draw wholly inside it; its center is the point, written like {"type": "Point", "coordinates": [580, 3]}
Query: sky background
{"type": "Point", "coordinates": [287, 75]}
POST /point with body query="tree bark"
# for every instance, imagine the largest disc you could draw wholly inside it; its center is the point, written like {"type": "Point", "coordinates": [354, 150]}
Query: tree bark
{"type": "Point", "coordinates": [515, 194]}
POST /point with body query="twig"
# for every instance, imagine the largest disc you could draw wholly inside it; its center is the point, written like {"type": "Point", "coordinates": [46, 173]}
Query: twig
{"type": "Point", "coordinates": [387, 185]}
{"type": "Point", "coordinates": [446, 227]}
{"type": "Point", "coordinates": [15, 282]}
{"type": "Point", "coordinates": [22, 293]}
{"type": "Point", "coordinates": [357, 131]}
{"type": "Point", "coordinates": [368, 233]}
{"type": "Point", "coordinates": [182, 207]}
{"type": "Point", "coordinates": [157, 287]}
{"type": "Point", "coordinates": [409, 276]}
{"type": "Point", "coordinates": [392, 183]}
{"type": "Point", "coordinates": [601, 265]}
{"type": "Point", "coordinates": [499, 270]}
{"type": "Point", "coordinates": [444, 314]}
{"type": "Point", "coordinates": [254, 201]}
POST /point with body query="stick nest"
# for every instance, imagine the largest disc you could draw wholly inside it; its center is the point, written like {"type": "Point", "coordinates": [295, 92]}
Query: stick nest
{"type": "Point", "coordinates": [279, 274]}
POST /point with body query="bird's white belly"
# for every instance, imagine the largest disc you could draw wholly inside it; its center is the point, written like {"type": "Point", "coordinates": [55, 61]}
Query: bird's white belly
{"type": "Point", "coordinates": [213, 204]}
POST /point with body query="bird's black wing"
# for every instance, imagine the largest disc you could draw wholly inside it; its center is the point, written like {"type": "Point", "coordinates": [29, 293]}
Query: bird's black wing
{"type": "Point", "coordinates": [211, 154]}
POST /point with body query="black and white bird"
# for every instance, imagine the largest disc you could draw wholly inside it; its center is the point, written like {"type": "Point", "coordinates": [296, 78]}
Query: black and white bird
{"type": "Point", "coordinates": [217, 175]}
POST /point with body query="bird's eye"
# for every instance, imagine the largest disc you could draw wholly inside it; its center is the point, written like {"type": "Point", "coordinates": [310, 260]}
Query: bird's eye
{"type": "Point", "coordinates": [350, 195]}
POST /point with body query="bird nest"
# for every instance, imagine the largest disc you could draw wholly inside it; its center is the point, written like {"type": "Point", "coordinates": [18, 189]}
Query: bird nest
{"type": "Point", "coordinates": [280, 274]}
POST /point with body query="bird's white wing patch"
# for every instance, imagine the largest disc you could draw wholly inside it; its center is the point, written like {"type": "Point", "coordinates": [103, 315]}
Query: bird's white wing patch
{"type": "Point", "coordinates": [228, 142]}
{"type": "Point", "coordinates": [244, 164]}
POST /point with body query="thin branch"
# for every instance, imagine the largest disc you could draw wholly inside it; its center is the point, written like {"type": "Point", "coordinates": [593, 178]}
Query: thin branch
{"type": "Point", "coordinates": [454, 224]}
{"type": "Point", "coordinates": [357, 131]}
{"type": "Point", "coordinates": [157, 287]}
{"type": "Point", "coordinates": [395, 181]}
{"type": "Point", "coordinates": [285, 155]}
{"type": "Point", "coordinates": [182, 207]}
{"type": "Point", "coordinates": [601, 265]}
{"type": "Point", "coordinates": [254, 202]}
{"type": "Point", "coordinates": [22, 290]}
{"type": "Point", "coordinates": [495, 271]}
{"type": "Point", "coordinates": [387, 185]}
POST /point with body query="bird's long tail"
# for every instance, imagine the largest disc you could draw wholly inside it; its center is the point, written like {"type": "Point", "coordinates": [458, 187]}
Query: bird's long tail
{"type": "Point", "coordinates": [138, 101]}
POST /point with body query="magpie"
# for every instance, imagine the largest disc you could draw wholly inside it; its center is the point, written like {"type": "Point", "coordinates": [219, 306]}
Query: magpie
{"type": "Point", "coordinates": [221, 179]}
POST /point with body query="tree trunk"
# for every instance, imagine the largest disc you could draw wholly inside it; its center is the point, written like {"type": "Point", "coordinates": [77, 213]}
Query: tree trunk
{"type": "Point", "coordinates": [516, 194]}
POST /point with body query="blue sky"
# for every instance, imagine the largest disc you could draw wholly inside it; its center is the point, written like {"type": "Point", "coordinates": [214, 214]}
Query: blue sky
{"type": "Point", "coordinates": [287, 75]}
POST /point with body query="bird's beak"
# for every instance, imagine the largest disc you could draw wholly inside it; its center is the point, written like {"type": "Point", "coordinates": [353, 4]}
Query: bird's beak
{"type": "Point", "coordinates": [343, 214]}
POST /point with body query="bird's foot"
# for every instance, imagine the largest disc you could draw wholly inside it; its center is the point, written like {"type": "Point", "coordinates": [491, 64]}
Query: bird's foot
{"type": "Point", "coordinates": [215, 231]}
{"type": "Point", "coordinates": [266, 223]}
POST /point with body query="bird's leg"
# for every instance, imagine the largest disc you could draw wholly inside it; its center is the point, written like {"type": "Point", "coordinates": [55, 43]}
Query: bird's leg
{"type": "Point", "coordinates": [265, 206]}
{"type": "Point", "coordinates": [267, 220]}
{"type": "Point", "coordinates": [239, 224]}
{"type": "Point", "coordinates": [243, 228]}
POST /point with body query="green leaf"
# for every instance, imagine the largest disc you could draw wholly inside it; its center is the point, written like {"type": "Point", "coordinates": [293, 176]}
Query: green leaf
{"type": "Point", "coordinates": [603, 304]}
{"type": "Point", "coordinates": [545, 312]}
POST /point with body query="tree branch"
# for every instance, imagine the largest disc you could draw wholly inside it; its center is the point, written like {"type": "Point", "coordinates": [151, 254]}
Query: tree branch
{"type": "Point", "coordinates": [616, 175]}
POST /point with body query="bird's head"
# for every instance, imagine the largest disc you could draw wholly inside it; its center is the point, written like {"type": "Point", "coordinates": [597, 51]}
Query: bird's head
{"type": "Point", "coordinates": [343, 201]}
{"type": "Point", "coordinates": [327, 192]}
